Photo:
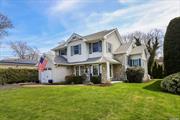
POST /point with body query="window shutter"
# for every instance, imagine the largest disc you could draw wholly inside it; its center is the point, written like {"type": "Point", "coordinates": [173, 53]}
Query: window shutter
{"type": "Point", "coordinates": [79, 49]}
{"type": "Point", "coordinates": [100, 46]}
{"type": "Point", "coordinates": [130, 62]}
{"type": "Point", "coordinates": [72, 51]}
{"type": "Point", "coordinates": [90, 48]}
{"type": "Point", "coordinates": [139, 62]}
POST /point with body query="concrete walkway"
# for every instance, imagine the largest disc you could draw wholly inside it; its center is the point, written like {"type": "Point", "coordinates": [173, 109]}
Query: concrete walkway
{"type": "Point", "coordinates": [116, 82]}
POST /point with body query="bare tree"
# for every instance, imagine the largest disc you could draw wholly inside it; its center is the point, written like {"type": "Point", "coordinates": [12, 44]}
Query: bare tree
{"type": "Point", "coordinates": [33, 53]}
{"type": "Point", "coordinates": [5, 24]}
{"type": "Point", "coordinates": [24, 51]}
{"type": "Point", "coordinates": [153, 43]}
{"type": "Point", "coordinates": [136, 36]}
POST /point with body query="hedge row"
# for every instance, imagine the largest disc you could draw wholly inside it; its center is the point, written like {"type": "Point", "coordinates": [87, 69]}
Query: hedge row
{"type": "Point", "coordinates": [10, 75]}
{"type": "Point", "coordinates": [72, 79]}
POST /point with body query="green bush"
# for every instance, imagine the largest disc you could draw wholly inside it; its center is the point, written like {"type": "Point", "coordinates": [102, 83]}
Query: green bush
{"type": "Point", "coordinates": [72, 79]}
{"type": "Point", "coordinates": [95, 80]}
{"type": "Point", "coordinates": [10, 75]}
{"type": "Point", "coordinates": [135, 74]}
{"type": "Point", "coordinates": [171, 83]}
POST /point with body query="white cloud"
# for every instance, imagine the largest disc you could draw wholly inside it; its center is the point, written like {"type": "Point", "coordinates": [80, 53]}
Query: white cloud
{"type": "Point", "coordinates": [123, 1]}
{"type": "Point", "coordinates": [143, 17]}
{"type": "Point", "coordinates": [64, 6]}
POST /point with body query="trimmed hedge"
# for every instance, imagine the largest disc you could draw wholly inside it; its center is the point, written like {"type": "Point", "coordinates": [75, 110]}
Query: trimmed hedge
{"type": "Point", "coordinates": [72, 79]}
{"type": "Point", "coordinates": [172, 47]}
{"type": "Point", "coordinates": [171, 83]}
{"type": "Point", "coordinates": [95, 80]}
{"type": "Point", "coordinates": [10, 75]}
{"type": "Point", "coordinates": [135, 74]}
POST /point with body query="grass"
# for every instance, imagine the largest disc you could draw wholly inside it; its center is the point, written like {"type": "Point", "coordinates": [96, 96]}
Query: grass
{"type": "Point", "coordinates": [122, 101]}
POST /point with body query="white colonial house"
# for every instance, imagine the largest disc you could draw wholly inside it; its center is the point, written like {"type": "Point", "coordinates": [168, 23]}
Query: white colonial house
{"type": "Point", "coordinates": [100, 54]}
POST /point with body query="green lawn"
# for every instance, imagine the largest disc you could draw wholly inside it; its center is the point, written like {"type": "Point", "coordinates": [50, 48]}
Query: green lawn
{"type": "Point", "coordinates": [122, 101]}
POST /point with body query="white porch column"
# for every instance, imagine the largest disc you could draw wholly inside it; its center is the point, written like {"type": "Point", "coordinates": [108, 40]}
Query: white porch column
{"type": "Point", "coordinates": [108, 71]}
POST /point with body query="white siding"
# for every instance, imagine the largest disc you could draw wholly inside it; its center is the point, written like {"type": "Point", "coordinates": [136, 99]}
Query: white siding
{"type": "Point", "coordinates": [112, 39]}
{"type": "Point", "coordinates": [60, 72]}
{"type": "Point", "coordinates": [57, 73]}
{"type": "Point", "coordinates": [77, 58]}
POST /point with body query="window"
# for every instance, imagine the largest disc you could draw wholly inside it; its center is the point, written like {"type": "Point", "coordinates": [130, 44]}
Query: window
{"type": "Point", "coordinates": [135, 62]}
{"type": "Point", "coordinates": [63, 52]}
{"type": "Point", "coordinates": [95, 69]}
{"type": "Point", "coordinates": [109, 47]}
{"type": "Point", "coordinates": [95, 47]}
{"type": "Point", "coordinates": [76, 49]}
{"type": "Point", "coordinates": [77, 70]}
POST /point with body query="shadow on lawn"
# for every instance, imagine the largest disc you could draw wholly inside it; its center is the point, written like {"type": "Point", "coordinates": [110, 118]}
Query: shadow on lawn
{"type": "Point", "coordinates": [155, 86]}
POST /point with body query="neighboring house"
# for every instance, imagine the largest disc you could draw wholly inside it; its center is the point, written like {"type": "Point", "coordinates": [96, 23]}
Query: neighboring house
{"type": "Point", "coordinates": [160, 61]}
{"type": "Point", "coordinates": [100, 54]}
{"type": "Point", "coordinates": [18, 63]}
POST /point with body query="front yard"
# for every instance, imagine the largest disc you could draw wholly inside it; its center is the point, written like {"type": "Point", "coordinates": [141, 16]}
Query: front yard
{"type": "Point", "coordinates": [122, 101]}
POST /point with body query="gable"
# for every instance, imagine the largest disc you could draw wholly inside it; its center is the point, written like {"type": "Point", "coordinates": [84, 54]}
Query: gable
{"type": "Point", "coordinates": [74, 37]}
{"type": "Point", "coordinates": [116, 33]}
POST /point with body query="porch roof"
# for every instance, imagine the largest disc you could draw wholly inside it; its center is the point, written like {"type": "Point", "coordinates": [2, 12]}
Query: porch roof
{"type": "Point", "coordinates": [63, 61]}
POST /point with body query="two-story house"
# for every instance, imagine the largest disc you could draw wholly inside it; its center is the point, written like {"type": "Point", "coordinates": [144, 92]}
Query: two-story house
{"type": "Point", "coordinates": [100, 54]}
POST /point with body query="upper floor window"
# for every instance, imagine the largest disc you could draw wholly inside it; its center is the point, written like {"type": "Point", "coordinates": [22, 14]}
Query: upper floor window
{"type": "Point", "coordinates": [95, 47]}
{"type": "Point", "coordinates": [109, 47]}
{"type": "Point", "coordinates": [76, 49]}
{"type": "Point", "coordinates": [63, 52]}
{"type": "Point", "coordinates": [134, 62]}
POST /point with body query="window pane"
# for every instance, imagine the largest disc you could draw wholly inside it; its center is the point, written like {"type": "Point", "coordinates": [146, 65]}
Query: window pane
{"type": "Point", "coordinates": [135, 62]}
{"type": "Point", "coordinates": [95, 47]}
{"type": "Point", "coordinates": [63, 52]}
{"type": "Point", "coordinates": [76, 49]}
{"type": "Point", "coordinates": [109, 47]}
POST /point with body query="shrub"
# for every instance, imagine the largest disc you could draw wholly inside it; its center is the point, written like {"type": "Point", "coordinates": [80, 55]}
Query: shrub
{"type": "Point", "coordinates": [135, 74]}
{"type": "Point", "coordinates": [172, 47]}
{"type": "Point", "coordinates": [72, 79]}
{"type": "Point", "coordinates": [18, 75]}
{"type": "Point", "coordinates": [95, 80]}
{"type": "Point", "coordinates": [157, 71]}
{"type": "Point", "coordinates": [171, 83]}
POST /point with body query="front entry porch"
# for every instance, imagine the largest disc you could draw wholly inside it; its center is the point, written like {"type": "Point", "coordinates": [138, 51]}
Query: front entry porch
{"type": "Point", "coordinates": [104, 71]}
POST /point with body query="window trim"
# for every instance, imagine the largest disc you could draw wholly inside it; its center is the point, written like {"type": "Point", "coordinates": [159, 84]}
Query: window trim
{"type": "Point", "coordinates": [78, 49]}
{"type": "Point", "coordinates": [99, 47]}
{"type": "Point", "coordinates": [109, 45]}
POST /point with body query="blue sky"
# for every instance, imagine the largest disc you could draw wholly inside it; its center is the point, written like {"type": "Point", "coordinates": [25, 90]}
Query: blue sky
{"type": "Point", "coordinates": [44, 23]}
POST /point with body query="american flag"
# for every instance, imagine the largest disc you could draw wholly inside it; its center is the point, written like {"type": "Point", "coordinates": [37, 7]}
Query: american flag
{"type": "Point", "coordinates": [42, 64]}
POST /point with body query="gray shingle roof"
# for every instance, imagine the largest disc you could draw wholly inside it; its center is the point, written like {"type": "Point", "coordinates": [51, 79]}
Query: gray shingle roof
{"type": "Point", "coordinates": [90, 37]}
{"type": "Point", "coordinates": [98, 35]}
{"type": "Point", "coordinates": [63, 61]}
{"type": "Point", "coordinates": [18, 61]}
{"type": "Point", "coordinates": [138, 50]}
{"type": "Point", "coordinates": [123, 48]}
